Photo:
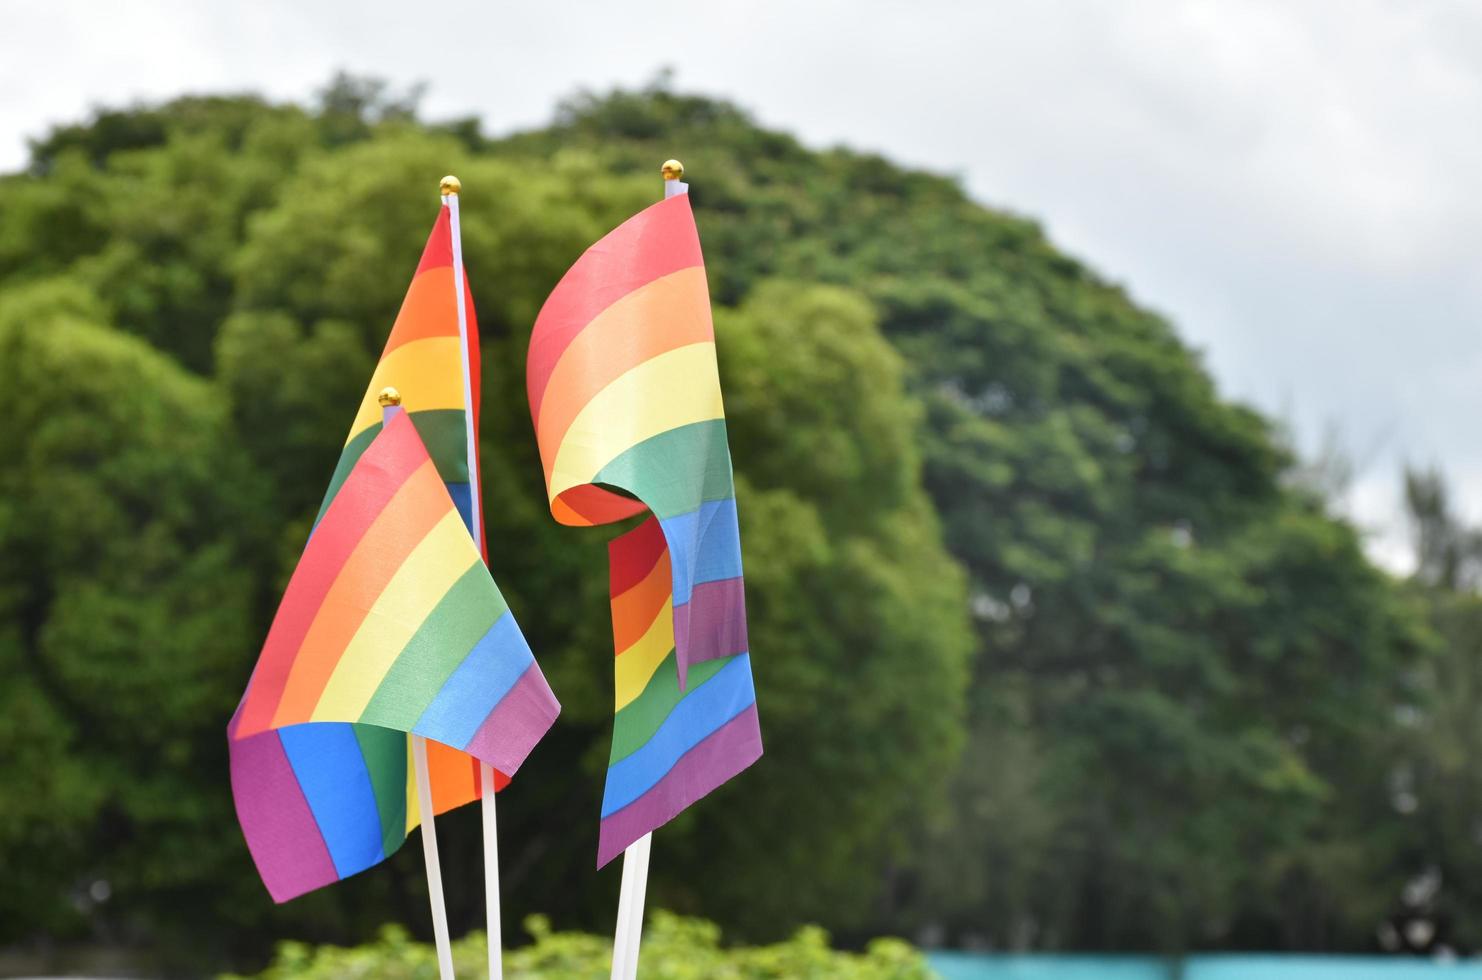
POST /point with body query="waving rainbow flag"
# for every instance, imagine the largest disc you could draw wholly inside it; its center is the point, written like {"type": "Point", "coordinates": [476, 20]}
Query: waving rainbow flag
{"type": "Point", "coordinates": [423, 360]}
{"type": "Point", "coordinates": [390, 625]}
{"type": "Point", "coordinates": [625, 396]}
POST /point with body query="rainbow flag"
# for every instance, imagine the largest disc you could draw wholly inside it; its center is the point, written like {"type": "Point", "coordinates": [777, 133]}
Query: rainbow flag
{"type": "Point", "coordinates": [625, 396]}
{"type": "Point", "coordinates": [390, 625]}
{"type": "Point", "coordinates": [423, 360]}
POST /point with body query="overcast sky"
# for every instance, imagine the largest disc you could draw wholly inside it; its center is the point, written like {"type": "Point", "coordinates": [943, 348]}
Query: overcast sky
{"type": "Point", "coordinates": [1298, 185]}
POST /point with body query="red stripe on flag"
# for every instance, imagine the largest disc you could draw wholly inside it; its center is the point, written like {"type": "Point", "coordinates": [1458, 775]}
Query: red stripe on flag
{"type": "Point", "coordinates": [475, 385]}
{"type": "Point", "coordinates": [390, 459]}
{"type": "Point", "coordinates": [654, 242]}
{"type": "Point", "coordinates": [631, 556]}
{"type": "Point", "coordinates": [439, 248]}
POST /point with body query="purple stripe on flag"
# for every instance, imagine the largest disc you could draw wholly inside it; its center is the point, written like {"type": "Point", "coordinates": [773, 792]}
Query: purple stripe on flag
{"type": "Point", "coordinates": [711, 625]}
{"type": "Point", "coordinates": [724, 753]}
{"type": "Point", "coordinates": [276, 820]}
{"type": "Point", "coordinates": [517, 722]}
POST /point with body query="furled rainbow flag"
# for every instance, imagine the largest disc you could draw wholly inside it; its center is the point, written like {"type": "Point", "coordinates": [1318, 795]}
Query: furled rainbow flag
{"type": "Point", "coordinates": [391, 624]}
{"type": "Point", "coordinates": [423, 360]}
{"type": "Point", "coordinates": [625, 396]}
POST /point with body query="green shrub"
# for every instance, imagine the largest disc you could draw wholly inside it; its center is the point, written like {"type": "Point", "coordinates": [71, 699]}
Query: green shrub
{"type": "Point", "coordinates": [674, 948]}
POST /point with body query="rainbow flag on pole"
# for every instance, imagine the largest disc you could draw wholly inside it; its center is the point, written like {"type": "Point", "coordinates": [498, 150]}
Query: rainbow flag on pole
{"type": "Point", "coordinates": [390, 625]}
{"type": "Point", "coordinates": [625, 396]}
{"type": "Point", "coordinates": [424, 360]}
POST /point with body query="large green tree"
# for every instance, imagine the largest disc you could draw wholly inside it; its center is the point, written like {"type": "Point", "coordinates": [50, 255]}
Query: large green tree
{"type": "Point", "coordinates": [1051, 648]}
{"type": "Point", "coordinates": [1187, 674]}
{"type": "Point", "coordinates": [272, 247]}
{"type": "Point", "coordinates": [125, 597]}
{"type": "Point", "coordinates": [1436, 785]}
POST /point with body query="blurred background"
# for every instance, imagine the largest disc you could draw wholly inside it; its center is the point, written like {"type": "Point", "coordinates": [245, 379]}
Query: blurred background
{"type": "Point", "coordinates": [1101, 383]}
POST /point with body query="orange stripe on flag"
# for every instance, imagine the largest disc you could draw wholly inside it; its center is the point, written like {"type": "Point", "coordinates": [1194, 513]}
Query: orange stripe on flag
{"type": "Point", "coordinates": [366, 492]}
{"type": "Point", "coordinates": [589, 504]}
{"type": "Point", "coordinates": [454, 777]}
{"type": "Point", "coordinates": [670, 312]}
{"type": "Point", "coordinates": [429, 310]}
{"type": "Point", "coordinates": [633, 612]}
{"type": "Point", "coordinates": [417, 506]}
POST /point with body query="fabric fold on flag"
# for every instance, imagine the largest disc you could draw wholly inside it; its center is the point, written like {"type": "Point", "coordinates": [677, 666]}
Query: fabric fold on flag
{"type": "Point", "coordinates": [625, 396]}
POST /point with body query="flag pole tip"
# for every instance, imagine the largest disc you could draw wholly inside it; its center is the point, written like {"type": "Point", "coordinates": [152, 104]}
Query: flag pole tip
{"type": "Point", "coordinates": [672, 170]}
{"type": "Point", "coordinates": [450, 185]}
{"type": "Point", "coordinates": [389, 396]}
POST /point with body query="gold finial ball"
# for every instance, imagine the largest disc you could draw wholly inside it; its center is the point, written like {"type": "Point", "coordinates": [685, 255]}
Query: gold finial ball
{"type": "Point", "coordinates": [673, 170]}
{"type": "Point", "coordinates": [389, 396]}
{"type": "Point", "coordinates": [450, 185]}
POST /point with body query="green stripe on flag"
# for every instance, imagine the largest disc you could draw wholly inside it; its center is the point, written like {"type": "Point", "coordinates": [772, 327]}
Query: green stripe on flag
{"type": "Point", "coordinates": [642, 716]}
{"type": "Point", "coordinates": [444, 431]}
{"type": "Point", "coordinates": [664, 468]}
{"type": "Point", "coordinates": [385, 754]}
{"type": "Point", "coordinates": [445, 638]}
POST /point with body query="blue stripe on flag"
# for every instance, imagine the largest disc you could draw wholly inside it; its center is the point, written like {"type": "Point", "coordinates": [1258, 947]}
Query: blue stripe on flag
{"type": "Point", "coordinates": [704, 546]}
{"type": "Point", "coordinates": [700, 712]}
{"type": "Point", "coordinates": [331, 771]}
{"type": "Point", "coordinates": [486, 675]}
{"type": "Point", "coordinates": [462, 494]}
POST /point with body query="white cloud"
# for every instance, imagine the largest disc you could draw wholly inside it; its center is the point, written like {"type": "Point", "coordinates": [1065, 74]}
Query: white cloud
{"type": "Point", "coordinates": [1292, 181]}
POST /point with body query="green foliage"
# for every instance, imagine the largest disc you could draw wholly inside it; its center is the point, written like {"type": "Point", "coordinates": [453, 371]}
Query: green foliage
{"type": "Point", "coordinates": [126, 599]}
{"type": "Point", "coordinates": [674, 948]}
{"type": "Point", "coordinates": [1050, 649]}
{"type": "Point", "coordinates": [1436, 785]}
{"type": "Point", "coordinates": [844, 574]}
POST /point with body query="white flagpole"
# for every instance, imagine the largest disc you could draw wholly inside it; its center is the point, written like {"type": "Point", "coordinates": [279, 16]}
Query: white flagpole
{"type": "Point", "coordinates": [630, 909]}
{"type": "Point", "coordinates": [620, 933]}
{"type": "Point", "coordinates": [629, 934]}
{"type": "Point", "coordinates": [451, 187]}
{"type": "Point", "coordinates": [429, 855]}
{"type": "Point", "coordinates": [390, 400]}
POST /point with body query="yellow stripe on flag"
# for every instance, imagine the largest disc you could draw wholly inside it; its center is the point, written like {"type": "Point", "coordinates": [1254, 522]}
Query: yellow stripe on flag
{"type": "Point", "coordinates": [637, 664]}
{"type": "Point", "coordinates": [676, 388]}
{"type": "Point", "coordinates": [427, 372]}
{"type": "Point", "coordinates": [439, 560]}
{"type": "Point", "coordinates": [414, 809]}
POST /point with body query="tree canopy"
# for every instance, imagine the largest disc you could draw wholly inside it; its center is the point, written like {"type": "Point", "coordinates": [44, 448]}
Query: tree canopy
{"type": "Point", "coordinates": [1051, 650]}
